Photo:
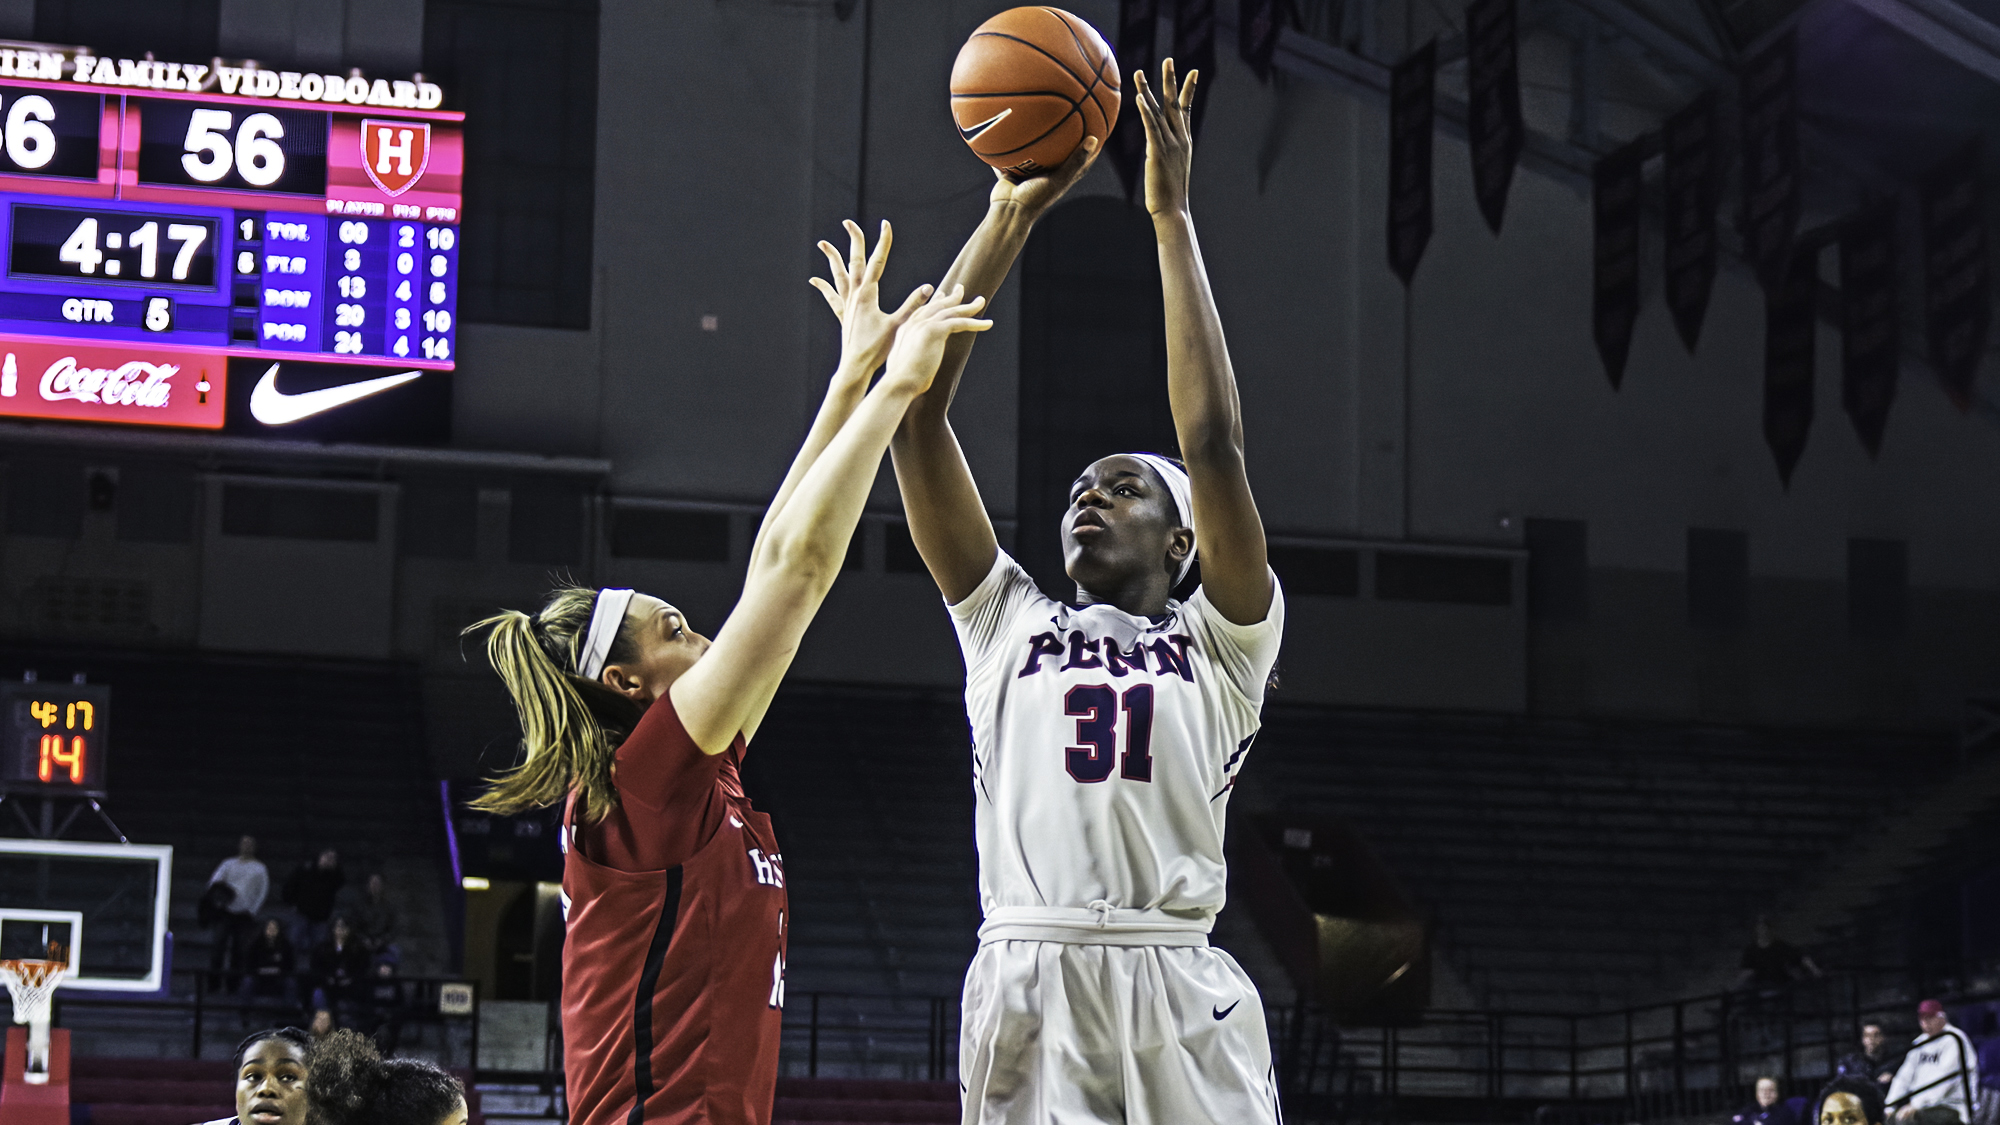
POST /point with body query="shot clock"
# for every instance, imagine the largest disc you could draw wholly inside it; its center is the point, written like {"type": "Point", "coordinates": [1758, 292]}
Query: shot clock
{"type": "Point", "coordinates": [54, 738]}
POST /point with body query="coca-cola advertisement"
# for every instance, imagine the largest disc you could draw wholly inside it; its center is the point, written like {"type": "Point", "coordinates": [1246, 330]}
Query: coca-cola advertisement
{"type": "Point", "coordinates": [135, 385]}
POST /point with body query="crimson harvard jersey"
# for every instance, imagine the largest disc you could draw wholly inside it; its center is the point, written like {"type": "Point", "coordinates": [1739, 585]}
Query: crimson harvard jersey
{"type": "Point", "coordinates": [673, 976]}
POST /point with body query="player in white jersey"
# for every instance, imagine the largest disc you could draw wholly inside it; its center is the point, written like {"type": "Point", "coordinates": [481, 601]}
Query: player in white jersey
{"type": "Point", "coordinates": [1107, 736]}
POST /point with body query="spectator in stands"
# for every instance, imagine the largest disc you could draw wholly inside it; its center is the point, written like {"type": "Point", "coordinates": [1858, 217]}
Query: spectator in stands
{"type": "Point", "coordinates": [1873, 1062]}
{"type": "Point", "coordinates": [1850, 1099]}
{"type": "Point", "coordinates": [271, 1078]}
{"type": "Point", "coordinates": [339, 965]}
{"type": "Point", "coordinates": [312, 890]}
{"type": "Point", "coordinates": [352, 1084]}
{"type": "Point", "coordinates": [374, 918]}
{"type": "Point", "coordinates": [322, 1024]}
{"type": "Point", "coordinates": [382, 1005]}
{"type": "Point", "coordinates": [1935, 1083]}
{"type": "Point", "coordinates": [270, 966]}
{"type": "Point", "coordinates": [1768, 1110]}
{"type": "Point", "coordinates": [248, 881]}
{"type": "Point", "coordinates": [1769, 962]}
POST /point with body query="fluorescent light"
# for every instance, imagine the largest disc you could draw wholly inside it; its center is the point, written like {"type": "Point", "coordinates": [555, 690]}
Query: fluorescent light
{"type": "Point", "coordinates": [475, 883]}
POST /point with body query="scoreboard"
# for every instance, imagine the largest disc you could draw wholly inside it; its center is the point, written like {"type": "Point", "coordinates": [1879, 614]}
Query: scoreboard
{"type": "Point", "coordinates": [160, 218]}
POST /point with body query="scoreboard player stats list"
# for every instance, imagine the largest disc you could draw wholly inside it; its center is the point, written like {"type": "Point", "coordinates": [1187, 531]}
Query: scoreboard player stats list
{"type": "Point", "coordinates": [150, 238]}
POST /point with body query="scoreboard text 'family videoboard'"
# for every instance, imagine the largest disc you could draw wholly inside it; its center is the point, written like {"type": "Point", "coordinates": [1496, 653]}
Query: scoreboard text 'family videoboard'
{"type": "Point", "coordinates": [160, 218]}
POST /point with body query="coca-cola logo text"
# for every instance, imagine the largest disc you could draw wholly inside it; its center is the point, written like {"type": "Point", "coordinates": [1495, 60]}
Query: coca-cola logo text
{"type": "Point", "coordinates": [133, 383]}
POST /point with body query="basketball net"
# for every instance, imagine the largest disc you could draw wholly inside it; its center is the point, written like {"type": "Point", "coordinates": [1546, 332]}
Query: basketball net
{"type": "Point", "coordinates": [31, 983]}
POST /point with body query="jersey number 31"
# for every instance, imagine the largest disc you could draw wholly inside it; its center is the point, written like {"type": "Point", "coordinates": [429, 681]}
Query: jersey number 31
{"type": "Point", "coordinates": [1096, 707]}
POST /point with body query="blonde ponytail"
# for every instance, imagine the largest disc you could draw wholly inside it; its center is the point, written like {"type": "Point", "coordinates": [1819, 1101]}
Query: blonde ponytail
{"type": "Point", "coordinates": [570, 726]}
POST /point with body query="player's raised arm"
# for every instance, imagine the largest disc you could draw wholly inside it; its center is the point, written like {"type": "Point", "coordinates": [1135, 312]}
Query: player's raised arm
{"type": "Point", "coordinates": [1201, 386]}
{"type": "Point", "coordinates": [805, 541]}
{"type": "Point", "coordinates": [948, 520]}
{"type": "Point", "coordinates": [865, 335]}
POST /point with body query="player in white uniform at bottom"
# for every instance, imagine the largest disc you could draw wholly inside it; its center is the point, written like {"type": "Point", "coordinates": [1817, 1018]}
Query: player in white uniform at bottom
{"type": "Point", "coordinates": [1107, 736]}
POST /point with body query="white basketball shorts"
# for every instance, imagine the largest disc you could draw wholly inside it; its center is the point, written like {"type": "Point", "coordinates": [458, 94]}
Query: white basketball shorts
{"type": "Point", "coordinates": [1062, 1034]}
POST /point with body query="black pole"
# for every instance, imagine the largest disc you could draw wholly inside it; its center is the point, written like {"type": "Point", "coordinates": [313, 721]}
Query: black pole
{"type": "Point", "coordinates": [1725, 1056]}
{"type": "Point", "coordinates": [1631, 1082]}
{"type": "Point", "coordinates": [1680, 1056]}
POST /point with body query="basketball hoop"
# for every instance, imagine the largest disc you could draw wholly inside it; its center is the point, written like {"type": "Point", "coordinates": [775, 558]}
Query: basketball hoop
{"type": "Point", "coordinates": [31, 983]}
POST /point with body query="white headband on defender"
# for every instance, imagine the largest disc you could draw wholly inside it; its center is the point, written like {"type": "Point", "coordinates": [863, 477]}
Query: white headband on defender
{"type": "Point", "coordinates": [607, 616]}
{"type": "Point", "coordinates": [1182, 490]}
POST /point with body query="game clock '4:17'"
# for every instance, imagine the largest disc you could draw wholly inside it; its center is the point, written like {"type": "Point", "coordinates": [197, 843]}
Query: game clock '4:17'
{"type": "Point", "coordinates": [117, 247]}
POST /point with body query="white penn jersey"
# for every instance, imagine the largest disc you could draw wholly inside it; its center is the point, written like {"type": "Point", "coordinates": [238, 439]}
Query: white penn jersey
{"type": "Point", "coordinates": [1105, 745]}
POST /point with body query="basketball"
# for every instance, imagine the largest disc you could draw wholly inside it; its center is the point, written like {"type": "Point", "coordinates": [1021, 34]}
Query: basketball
{"type": "Point", "coordinates": [1029, 85]}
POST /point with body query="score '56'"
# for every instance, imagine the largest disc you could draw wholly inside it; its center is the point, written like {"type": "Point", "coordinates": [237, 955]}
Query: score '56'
{"type": "Point", "coordinates": [255, 154]}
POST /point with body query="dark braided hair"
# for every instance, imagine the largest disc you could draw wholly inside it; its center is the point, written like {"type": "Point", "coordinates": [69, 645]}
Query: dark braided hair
{"type": "Point", "coordinates": [297, 1037]}
{"type": "Point", "coordinates": [349, 1083]}
{"type": "Point", "coordinates": [1868, 1093]}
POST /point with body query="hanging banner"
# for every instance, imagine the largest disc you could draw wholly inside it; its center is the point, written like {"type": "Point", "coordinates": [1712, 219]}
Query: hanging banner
{"type": "Point", "coordinates": [1789, 330]}
{"type": "Point", "coordinates": [1770, 159]}
{"type": "Point", "coordinates": [1493, 120]}
{"type": "Point", "coordinates": [1616, 185]}
{"type": "Point", "coordinates": [1137, 21]}
{"type": "Point", "coordinates": [1257, 34]}
{"type": "Point", "coordinates": [1870, 338]}
{"type": "Point", "coordinates": [1412, 85]}
{"type": "Point", "coordinates": [1692, 172]}
{"type": "Point", "coordinates": [1194, 49]}
{"type": "Point", "coordinates": [1958, 278]}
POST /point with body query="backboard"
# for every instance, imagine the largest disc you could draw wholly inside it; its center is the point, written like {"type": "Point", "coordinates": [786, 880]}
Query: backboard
{"type": "Point", "coordinates": [106, 902]}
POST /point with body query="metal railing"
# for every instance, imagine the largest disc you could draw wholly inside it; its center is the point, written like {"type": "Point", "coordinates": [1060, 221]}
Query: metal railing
{"type": "Point", "coordinates": [194, 1007]}
{"type": "Point", "coordinates": [1689, 1057]}
{"type": "Point", "coordinates": [858, 1035]}
{"type": "Point", "coordinates": [1695, 1056]}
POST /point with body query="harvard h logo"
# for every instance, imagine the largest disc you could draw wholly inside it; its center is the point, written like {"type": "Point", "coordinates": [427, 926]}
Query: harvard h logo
{"type": "Point", "coordinates": [395, 153]}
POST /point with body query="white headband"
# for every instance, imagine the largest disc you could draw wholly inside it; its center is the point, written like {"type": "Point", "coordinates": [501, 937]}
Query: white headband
{"type": "Point", "coordinates": [607, 616]}
{"type": "Point", "coordinates": [1182, 490]}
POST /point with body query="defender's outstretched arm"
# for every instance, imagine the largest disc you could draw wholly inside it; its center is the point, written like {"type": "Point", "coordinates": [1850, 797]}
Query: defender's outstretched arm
{"type": "Point", "coordinates": [865, 335]}
{"type": "Point", "coordinates": [804, 542]}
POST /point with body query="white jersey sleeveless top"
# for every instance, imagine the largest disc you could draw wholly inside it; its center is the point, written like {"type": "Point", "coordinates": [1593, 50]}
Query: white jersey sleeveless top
{"type": "Point", "coordinates": [1105, 746]}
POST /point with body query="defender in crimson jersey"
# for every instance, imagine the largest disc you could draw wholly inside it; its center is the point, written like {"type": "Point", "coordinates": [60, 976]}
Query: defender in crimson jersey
{"type": "Point", "coordinates": [675, 952]}
{"type": "Point", "coordinates": [673, 886]}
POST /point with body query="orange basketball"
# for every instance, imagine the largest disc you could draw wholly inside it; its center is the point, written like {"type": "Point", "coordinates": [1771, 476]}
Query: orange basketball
{"type": "Point", "coordinates": [1029, 85]}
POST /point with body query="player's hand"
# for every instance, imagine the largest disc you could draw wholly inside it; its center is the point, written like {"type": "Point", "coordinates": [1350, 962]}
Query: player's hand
{"type": "Point", "coordinates": [919, 346]}
{"type": "Point", "coordinates": [856, 293]}
{"type": "Point", "coordinates": [1034, 195]}
{"type": "Point", "coordinates": [1169, 137]}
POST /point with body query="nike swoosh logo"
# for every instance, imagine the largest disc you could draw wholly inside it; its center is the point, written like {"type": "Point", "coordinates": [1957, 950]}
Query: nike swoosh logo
{"type": "Point", "coordinates": [274, 407]}
{"type": "Point", "coordinates": [1222, 1012]}
{"type": "Point", "coordinates": [972, 134]}
{"type": "Point", "coordinates": [734, 823]}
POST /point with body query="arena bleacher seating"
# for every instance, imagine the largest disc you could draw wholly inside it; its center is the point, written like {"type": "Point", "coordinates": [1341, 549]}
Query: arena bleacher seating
{"type": "Point", "coordinates": [1580, 866]}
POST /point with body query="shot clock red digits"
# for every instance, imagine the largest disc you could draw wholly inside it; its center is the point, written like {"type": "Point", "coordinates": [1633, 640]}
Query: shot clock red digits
{"type": "Point", "coordinates": [72, 760]}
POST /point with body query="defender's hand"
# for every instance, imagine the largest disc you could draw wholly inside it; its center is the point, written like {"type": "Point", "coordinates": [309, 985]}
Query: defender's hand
{"type": "Point", "coordinates": [919, 347]}
{"type": "Point", "coordinates": [1034, 195]}
{"type": "Point", "coordinates": [855, 294]}
{"type": "Point", "coordinates": [1169, 137]}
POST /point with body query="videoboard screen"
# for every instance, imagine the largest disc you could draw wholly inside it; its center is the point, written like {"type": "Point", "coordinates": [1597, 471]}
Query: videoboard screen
{"type": "Point", "coordinates": [159, 219]}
